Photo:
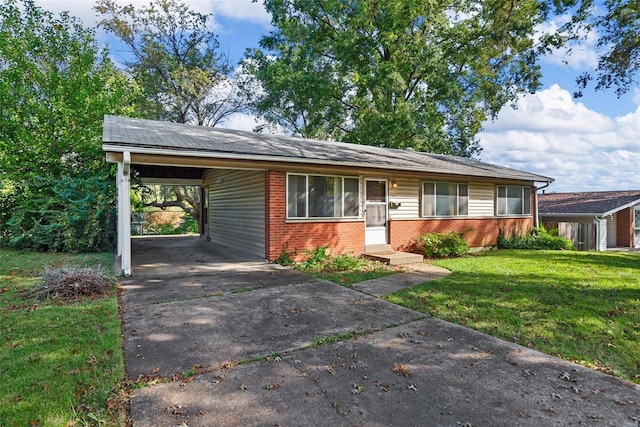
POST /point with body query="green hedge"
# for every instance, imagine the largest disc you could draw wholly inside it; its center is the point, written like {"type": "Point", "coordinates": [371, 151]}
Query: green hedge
{"type": "Point", "coordinates": [537, 238]}
{"type": "Point", "coordinates": [443, 245]}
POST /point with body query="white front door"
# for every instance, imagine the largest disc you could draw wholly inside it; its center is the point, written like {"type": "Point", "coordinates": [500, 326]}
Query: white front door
{"type": "Point", "coordinates": [376, 212]}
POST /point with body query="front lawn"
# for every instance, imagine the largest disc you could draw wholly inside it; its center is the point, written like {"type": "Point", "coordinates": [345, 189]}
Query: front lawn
{"type": "Point", "coordinates": [581, 306]}
{"type": "Point", "coordinates": [60, 364]}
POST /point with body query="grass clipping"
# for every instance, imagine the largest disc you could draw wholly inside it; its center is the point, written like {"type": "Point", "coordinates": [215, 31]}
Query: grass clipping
{"type": "Point", "coordinates": [69, 284]}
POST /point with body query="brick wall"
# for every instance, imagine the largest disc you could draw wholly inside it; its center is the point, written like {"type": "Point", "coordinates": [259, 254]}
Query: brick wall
{"type": "Point", "coordinates": [624, 228]}
{"type": "Point", "coordinates": [479, 232]}
{"type": "Point", "coordinates": [340, 237]}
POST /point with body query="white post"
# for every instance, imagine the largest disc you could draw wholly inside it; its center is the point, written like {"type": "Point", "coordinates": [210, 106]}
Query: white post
{"type": "Point", "coordinates": [119, 209]}
{"type": "Point", "coordinates": [125, 209]}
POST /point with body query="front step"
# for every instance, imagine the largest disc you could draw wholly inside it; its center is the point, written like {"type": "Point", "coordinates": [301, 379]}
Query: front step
{"type": "Point", "coordinates": [376, 249]}
{"type": "Point", "coordinates": [394, 257]}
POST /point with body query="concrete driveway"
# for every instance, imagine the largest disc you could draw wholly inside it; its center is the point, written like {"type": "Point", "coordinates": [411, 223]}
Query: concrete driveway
{"type": "Point", "coordinates": [228, 340]}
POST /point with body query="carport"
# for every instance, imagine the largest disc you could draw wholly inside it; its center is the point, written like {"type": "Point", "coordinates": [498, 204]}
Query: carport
{"type": "Point", "coordinates": [137, 159]}
{"type": "Point", "coordinates": [147, 174]}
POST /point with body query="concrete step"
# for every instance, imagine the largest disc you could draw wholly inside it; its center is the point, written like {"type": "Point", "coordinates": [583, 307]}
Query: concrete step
{"type": "Point", "coordinates": [394, 257]}
{"type": "Point", "coordinates": [371, 249]}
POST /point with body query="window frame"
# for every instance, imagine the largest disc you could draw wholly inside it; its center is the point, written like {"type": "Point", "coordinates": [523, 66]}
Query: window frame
{"type": "Point", "coordinates": [434, 203]}
{"type": "Point", "coordinates": [307, 197]}
{"type": "Point", "coordinates": [525, 202]}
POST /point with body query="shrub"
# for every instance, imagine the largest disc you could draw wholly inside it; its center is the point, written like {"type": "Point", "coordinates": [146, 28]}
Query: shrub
{"type": "Point", "coordinates": [67, 215]}
{"type": "Point", "coordinates": [443, 245]}
{"type": "Point", "coordinates": [537, 238]}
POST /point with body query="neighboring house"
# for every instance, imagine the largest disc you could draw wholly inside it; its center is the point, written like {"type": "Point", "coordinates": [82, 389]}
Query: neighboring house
{"type": "Point", "coordinates": [271, 194]}
{"type": "Point", "coordinates": [594, 220]}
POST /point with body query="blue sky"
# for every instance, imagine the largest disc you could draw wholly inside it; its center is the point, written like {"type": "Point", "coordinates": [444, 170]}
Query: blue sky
{"type": "Point", "coordinates": [586, 144]}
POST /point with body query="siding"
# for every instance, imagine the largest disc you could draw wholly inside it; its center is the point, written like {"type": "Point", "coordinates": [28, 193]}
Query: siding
{"type": "Point", "coordinates": [481, 199]}
{"type": "Point", "coordinates": [236, 209]}
{"type": "Point", "coordinates": [407, 193]}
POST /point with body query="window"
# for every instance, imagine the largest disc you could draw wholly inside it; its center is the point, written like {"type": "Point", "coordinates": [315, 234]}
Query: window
{"type": "Point", "coordinates": [445, 199]}
{"type": "Point", "coordinates": [319, 196]}
{"type": "Point", "coordinates": [513, 200]}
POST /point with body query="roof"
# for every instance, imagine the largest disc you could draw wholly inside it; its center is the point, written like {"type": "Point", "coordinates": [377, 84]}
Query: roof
{"type": "Point", "coordinates": [596, 203]}
{"type": "Point", "coordinates": [154, 137]}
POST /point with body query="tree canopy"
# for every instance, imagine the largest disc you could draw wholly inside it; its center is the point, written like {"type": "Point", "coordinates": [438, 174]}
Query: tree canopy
{"type": "Point", "coordinates": [617, 25]}
{"type": "Point", "coordinates": [174, 58]}
{"type": "Point", "coordinates": [56, 85]}
{"type": "Point", "coordinates": [398, 73]}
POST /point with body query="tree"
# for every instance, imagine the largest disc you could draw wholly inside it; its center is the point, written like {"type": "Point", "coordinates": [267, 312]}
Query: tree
{"type": "Point", "coordinates": [174, 59]}
{"type": "Point", "coordinates": [55, 87]}
{"type": "Point", "coordinates": [399, 73]}
{"type": "Point", "coordinates": [618, 25]}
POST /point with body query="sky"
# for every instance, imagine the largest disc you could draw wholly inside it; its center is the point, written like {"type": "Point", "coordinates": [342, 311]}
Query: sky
{"type": "Point", "coordinates": [586, 144]}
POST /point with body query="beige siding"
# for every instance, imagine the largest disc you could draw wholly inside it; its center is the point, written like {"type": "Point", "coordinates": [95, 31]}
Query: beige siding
{"type": "Point", "coordinates": [236, 208]}
{"type": "Point", "coordinates": [481, 199]}
{"type": "Point", "coordinates": [407, 193]}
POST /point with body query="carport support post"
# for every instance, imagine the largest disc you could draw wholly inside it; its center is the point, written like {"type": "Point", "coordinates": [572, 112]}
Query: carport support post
{"type": "Point", "coordinates": [124, 213]}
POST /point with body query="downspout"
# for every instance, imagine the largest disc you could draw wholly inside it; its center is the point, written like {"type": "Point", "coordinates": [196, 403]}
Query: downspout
{"type": "Point", "coordinates": [536, 220]}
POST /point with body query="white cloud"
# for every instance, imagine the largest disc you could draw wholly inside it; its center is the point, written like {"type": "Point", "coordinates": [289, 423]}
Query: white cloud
{"type": "Point", "coordinates": [552, 135]}
{"type": "Point", "coordinates": [242, 10]}
{"type": "Point", "coordinates": [577, 56]}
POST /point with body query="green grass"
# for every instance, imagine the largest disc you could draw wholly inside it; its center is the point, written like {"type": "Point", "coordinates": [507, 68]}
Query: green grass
{"type": "Point", "coordinates": [581, 306]}
{"type": "Point", "coordinates": [59, 364]}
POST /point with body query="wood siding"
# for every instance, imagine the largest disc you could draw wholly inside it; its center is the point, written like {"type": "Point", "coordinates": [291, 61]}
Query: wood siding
{"type": "Point", "coordinates": [237, 209]}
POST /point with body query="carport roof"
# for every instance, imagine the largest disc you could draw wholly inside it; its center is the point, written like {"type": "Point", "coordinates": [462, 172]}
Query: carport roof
{"type": "Point", "coordinates": [122, 134]}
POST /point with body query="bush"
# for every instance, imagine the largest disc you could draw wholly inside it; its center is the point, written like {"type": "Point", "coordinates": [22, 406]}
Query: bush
{"type": "Point", "coordinates": [537, 238]}
{"type": "Point", "coordinates": [443, 245]}
{"type": "Point", "coordinates": [65, 215]}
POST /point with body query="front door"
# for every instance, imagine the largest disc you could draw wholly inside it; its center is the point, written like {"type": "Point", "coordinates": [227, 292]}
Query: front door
{"type": "Point", "coordinates": [376, 212]}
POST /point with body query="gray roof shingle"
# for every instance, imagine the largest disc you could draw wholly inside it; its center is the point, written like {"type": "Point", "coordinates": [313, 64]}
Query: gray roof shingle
{"type": "Point", "coordinates": [586, 203]}
{"type": "Point", "coordinates": [120, 133]}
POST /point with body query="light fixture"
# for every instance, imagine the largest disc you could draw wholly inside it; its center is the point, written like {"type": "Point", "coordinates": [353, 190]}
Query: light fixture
{"type": "Point", "coordinates": [394, 184]}
{"type": "Point", "coordinates": [219, 181]}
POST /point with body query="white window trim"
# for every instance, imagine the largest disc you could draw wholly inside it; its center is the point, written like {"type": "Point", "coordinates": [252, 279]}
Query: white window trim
{"type": "Point", "coordinates": [308, 218]}
{"type": "Point", "coordinates": [522, 201]}
{"type": "Point", "coordinates": [457, 214]}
